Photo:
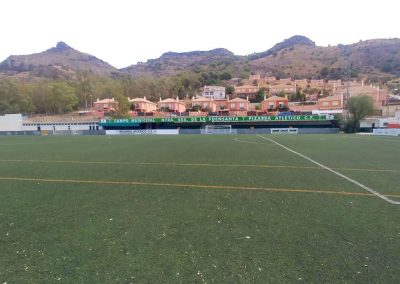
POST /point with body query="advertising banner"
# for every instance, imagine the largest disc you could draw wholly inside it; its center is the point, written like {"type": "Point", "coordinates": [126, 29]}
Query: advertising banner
{"type": "Point", "coordinates": [143, 132]}
{"type": "Point", "coordinates": [225, 119]}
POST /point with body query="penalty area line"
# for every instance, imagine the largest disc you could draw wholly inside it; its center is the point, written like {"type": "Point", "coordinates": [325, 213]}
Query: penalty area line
{"type": "Point", "coordinates": [336, 173]}
{"type": "Point", "coordinates": [199, 186]}
{"type": "Point", "coordinates": [188, 164]}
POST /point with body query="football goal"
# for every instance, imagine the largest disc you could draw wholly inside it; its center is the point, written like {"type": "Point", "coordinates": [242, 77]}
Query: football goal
{"type": "Point", "coordinates": [217, 129]}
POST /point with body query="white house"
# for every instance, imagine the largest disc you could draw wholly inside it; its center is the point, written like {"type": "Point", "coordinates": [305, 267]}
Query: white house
{"type": "Point", "coordinates": [215, 92]}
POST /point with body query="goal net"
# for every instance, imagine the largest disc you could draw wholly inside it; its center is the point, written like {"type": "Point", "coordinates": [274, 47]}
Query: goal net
{"type": "Point", "coordinates": [217, 129]}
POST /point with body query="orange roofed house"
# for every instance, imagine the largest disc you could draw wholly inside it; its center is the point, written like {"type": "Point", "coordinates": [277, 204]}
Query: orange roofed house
{"type": "Point", "coordinates": [205, 104]}
{"type": "Point", "coordinates": [142, 105]}
{"type": "Point", "coordinates": [274, 103]}
{"type": "Point", "coordinates": [330, 103]}
{"type": "Point", "coordinates": [105, 105]}
{"type": "Point", "coordinates": [237, 104]}
{"type": "Point", "coordinates": [246, 91]}
{"type": "Point", "coordinates": [171, 105]}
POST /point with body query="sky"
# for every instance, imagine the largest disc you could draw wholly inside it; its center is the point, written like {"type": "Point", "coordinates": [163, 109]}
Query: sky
{"type": "Point", "coordinates": [124, 32]}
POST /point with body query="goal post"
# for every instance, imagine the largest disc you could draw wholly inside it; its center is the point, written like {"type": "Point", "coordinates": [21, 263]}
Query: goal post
{"type": "Point", "coordinates": [217, 129]}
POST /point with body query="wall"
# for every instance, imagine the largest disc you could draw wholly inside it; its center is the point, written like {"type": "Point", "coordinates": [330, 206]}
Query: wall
{"type": "Point", "coordinates": [268, 131]}
{"type": "Point", "coordinates": [57, 126]}
{"type": "Point", "coordinates": [11, 122]}
{"type": "Point", "coordinates": [8, 133]}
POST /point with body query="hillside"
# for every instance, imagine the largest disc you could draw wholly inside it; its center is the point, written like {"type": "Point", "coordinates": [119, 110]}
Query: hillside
{"type": "Point", "coordinates": [61, 61]}
{"type": "Point", "coordinates": [296, 57]}
{"type": "Point", "coordinates": [372, 58]}
{"type": "Point", "coordinates": [287, 43]}
{"type": "Point", "coordinates": [171, 63]}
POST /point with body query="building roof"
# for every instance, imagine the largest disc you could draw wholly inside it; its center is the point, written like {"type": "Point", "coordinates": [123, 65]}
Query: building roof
{"type": "Point", "coordinates": [331, 98]}
{"type": "Point", "coordinates": [238, 100]}
{"type": "Point", "coordinates": [141, 100]}
{"type": "Point", "coordinates": [202, 99]}
{"type": "Point", "coordinates": [214, 87]}
{"type": "Point", "coordinates": [246, 87]}
{"type": "Point", "coordinates": [303, 107]}
{"type": "Point", "coordinates": [220, 100]}
{"type": "Point", "coordinates": [169, 100]}
{"type": "Point", "coordinates": [103, 101]}
{"type": "Point", "coordinates": [275, 98]}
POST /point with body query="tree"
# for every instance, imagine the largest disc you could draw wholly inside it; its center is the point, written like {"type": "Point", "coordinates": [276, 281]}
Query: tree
{"type": "Point", "coordinates": [229, 90]}
{"type": "Point", "coordinates": [196, 108]}
{"type": "Point", "coordinates": [122, 106]}
{"type": "Point", "coordinates": [84, 87]}
{"type": "Point", "coordinates": [62, 98]}
{"type": "Point", "coordinates": [359, 107]}
{"type": "Point", "coordinates": [281, 94]}
{"type": "Point", "coordinates": [225, 76]}
{"type": "Point", "coordinates": [13, 99]}
{"type": "Point", "coordinates": [259, 96]}
{"type": "Point", "coordinates": [324, 71]}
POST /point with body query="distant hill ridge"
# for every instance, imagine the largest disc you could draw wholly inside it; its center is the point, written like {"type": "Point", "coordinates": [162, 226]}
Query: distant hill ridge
{"type": "Point", "coordinates": [217, 51]}
{"type": "Point", "coordinates": [287, 43]}
{"type": "Point", "coordinates": [62, 55]}
{"type": "Point", "coordinates": [297, 56]}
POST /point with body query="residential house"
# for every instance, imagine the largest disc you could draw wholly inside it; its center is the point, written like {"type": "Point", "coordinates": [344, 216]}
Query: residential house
{"type": "Point", "coordinates": [282, 88]}
{"type": "Point", "coordinates": [330, 103]}
{"type": "Point", "coordinates": [205, 104]}
{"type": "Point", "coordinates": [246, 91]}
{"type": "Point", "coordinates": [237, 104]}
{"type": "Point", "coordinates": [378, 95]}
{"type": "Point", "coordinates": [105, 105]}
{"type": "Point", "coordinates": [171, 105]}
{"type": "Point", "coordinates": [274, 103]}
{"type": "Point", "coordinates": [215, 92]}
{"type": "Point", "coordinates": [254, 77]}
{"type": "Point", "coordinates": [390, 108]}
{"type": "Point", "coordinates": [301, 81]}
{"type": "Point", "coordinates": [142, 105]}
{"type": "Point", "coordinates": [270, 79]}
{"type": "Point", "coordinates": [317, 83]}
{"type": "Point", "coordinates": [221, 104]}
{"type": "Point", "coordinates": [299, 108]}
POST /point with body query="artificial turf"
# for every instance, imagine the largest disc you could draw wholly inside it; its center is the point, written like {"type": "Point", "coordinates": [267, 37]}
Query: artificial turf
{"type": "Point", "coordinates": [198, 209]}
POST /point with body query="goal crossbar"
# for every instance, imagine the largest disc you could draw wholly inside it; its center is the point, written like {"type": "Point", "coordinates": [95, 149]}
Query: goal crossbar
{"type": "Point", "coordinates": [217, 129]}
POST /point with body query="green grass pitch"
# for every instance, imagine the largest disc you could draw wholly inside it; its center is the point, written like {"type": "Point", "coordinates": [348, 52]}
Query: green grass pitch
{"type": "Point", "coordinates": [184, 209]}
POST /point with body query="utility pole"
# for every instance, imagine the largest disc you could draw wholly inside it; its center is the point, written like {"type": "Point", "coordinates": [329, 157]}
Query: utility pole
{"type": "Point", "coordinates": [346, 93]}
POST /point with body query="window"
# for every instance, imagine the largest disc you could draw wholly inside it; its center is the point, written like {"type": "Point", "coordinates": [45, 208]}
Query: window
{"type": "Point", "coordinates": [325, 104]}
{"type": "Point", "coordinates": [232, 106]}
{"type": "Point", "coordinates": [271, 105]}
{"type": "Point", "coordinates": [280, 105]}
{"type": "Point", "coordinates": [335, 103]}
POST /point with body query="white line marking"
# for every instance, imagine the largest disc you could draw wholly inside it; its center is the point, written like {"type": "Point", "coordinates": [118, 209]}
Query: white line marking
{"type": "Point", "coordinates": [335, 172]}
{"type": "Point", "coordinates": [250, 142]}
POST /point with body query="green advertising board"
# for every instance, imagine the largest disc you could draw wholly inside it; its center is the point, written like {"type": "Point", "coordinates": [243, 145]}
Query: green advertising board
{"type": "Point", "coordinates": [211, 119]}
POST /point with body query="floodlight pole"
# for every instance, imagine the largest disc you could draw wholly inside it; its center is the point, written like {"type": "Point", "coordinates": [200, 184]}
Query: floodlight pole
{"type": "Point", "coordinates": [346, 93]}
